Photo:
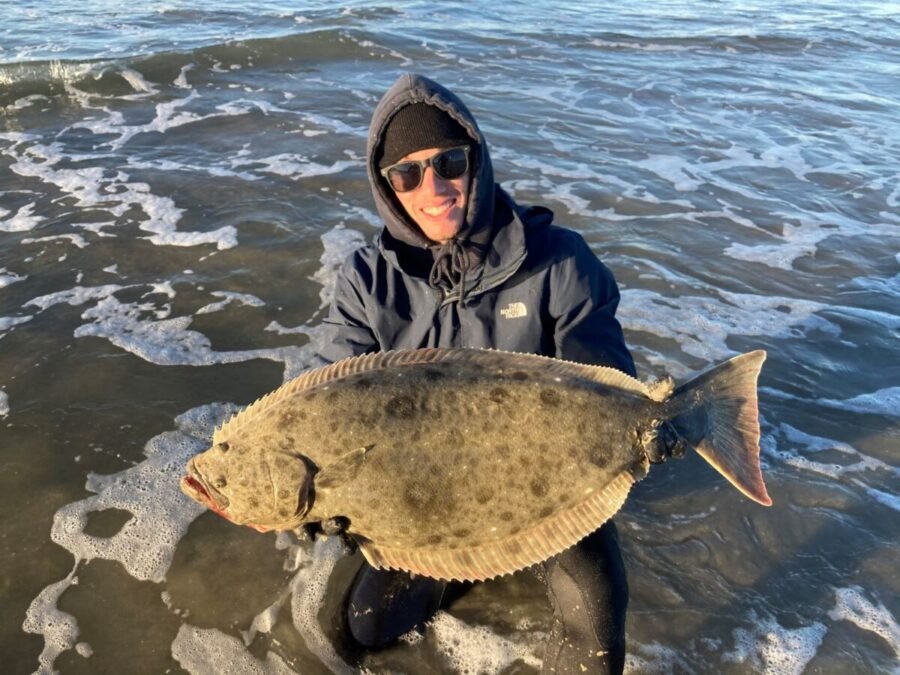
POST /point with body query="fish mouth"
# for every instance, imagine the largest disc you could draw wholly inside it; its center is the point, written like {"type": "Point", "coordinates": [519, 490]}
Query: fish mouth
{"type": "Point", "coordinates": [196, 488]}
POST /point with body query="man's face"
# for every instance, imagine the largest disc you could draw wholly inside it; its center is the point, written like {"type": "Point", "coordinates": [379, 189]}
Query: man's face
{"type": "Point", "coordinates": [438, 205]}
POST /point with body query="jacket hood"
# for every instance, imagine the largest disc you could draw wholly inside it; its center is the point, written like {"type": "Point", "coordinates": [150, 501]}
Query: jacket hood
{"type": "Point", "coordinates": [478, 223]}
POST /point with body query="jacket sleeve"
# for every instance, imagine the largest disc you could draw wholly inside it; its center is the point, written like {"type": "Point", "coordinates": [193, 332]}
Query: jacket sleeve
{"type": "Point", "coordinates": [583, 301]}
{"type": "Point", "coordinates": [347, 331]}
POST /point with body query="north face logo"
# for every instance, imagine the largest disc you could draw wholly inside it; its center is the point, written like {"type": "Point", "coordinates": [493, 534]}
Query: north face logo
{"type": "Point", "coordinates": [515, 310]}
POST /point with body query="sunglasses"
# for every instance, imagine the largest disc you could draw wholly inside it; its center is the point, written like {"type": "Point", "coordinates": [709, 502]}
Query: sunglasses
{"type": "Point", "coordinates": [448, 164]}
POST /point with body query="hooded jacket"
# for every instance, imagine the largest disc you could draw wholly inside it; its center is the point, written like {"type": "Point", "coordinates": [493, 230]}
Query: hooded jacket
{"type": "Point", "coordinates": [509, 280]}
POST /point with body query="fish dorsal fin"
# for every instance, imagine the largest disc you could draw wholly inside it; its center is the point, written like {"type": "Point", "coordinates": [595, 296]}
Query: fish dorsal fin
{"type": "Point", "coordinates": [409, 357]}
{"type": "Point", "coordinates": [547, 538]}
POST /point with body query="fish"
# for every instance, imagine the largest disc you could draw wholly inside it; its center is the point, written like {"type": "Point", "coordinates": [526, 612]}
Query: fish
{"type": "Point", "coordinates": [469, 464]}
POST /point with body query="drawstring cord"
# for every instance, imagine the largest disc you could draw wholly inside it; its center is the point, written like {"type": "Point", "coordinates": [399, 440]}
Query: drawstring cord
{"type": "Point", "coordinates": [451, 262]}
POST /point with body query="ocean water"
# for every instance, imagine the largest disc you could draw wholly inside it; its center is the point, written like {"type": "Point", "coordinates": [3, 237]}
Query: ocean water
{"type": "Point", "coordinates": [180, 180]}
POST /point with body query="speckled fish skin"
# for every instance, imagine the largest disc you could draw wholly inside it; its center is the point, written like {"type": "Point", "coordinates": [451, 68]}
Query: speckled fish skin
{"type": "Point", "coordinates": [438, 455]}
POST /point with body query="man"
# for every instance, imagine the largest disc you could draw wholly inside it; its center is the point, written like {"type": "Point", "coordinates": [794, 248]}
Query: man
{"type": "Point", "coordinates": [460, 264]}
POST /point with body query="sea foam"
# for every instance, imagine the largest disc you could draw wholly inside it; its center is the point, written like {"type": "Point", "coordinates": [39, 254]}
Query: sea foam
{"type": "Point", "coordinates": [850, 604]}
{"type": "Point", "coordinates": [772, 649]}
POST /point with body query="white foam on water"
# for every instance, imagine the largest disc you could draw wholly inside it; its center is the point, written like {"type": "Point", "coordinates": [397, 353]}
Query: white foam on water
{"type": "Point", "coordinates": [892, 501]}
{"type": "Point", "coordinates": [701, 325]}
{"type": "Point", "coordinates": [4, 403]}
{"type": "Point", "coordinates": [800, 442]}
{"type": "Point", "coordinates": [84, 650]}
{"type": "Point", "coordinates": [26, 102]}
{"type": "Point", "coordinates": [851, 605]}
{"type": "Point", "coordinates": [802, 239]}
{"type": "Point", "coordinates": [76, 239]}
{"type": "Point", "coordinates": [74, 296]}
{"type": "Point", "coordinates": [295, 166]}
{"type": "Point", "coordinates": [8, 278]}
{"type": "Point", "coordinates": [160, 340]}
{"type": "Point", "coordinates": [678, 171]}
{"type": "Point", "coordinates": [476, 650]}
{"type": "Point", "coordinates": [150, 491]}
{"type": "Point", "coordinates": [244, 299]}
{"type": "Point", "coordinates": [338, 243]}
{"type": "Point", "coordinates": [7, 322]}
{"type": "Point", "coordinates": [308, 588]}
{"type": "Point", "coordinates": [60, 629]}
{"type": "Point", "coordinates": [772, 649]}
{"type": "Point", "coordinates": [23, 221]}
{"type": "Point", "coordinates": [881, 402]}
{"type": "Point", "coordinates": [265, 620]}
{"type": "Point", "coordinates": [169, 342]}
{"type": "Point", "coordinates": [94, 187]}
{"type": "Point", "coordinates": [367, 215]}
{"type": "Point", "coordinates": [644, 659]}
{"type": "Point", "coordinates": [138, 83]}
{"type": "Point", "coordinates": [206, 651]}
{"type": "Point", "coordinates": [181, 81]}
{"type": "Point", "coordinates": [638, 46]}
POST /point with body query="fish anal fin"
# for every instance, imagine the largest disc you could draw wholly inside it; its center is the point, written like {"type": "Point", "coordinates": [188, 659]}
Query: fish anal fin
{"type": "Point", "coordinates": [543, 540]}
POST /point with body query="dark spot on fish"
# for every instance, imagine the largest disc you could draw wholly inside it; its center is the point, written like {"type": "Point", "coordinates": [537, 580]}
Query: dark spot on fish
{"type": "Point", "coordinates": [484, 494]}
{"type": "Point", "coordinates": [404, 529]}
{"type": "Point", "coordinates": [370, 419]}
{"type": "Point", "coordinates": [503, 451]}
{"type": "Point", "coordinates": [416, 436]}
{"type": "Point", "coordinates": [546, 511]}
{"type": "Point", "coordinates": [254, 502]}
{"type": "Point", "coordinates": [432, 374]}
{"type": "Point", "coordinates": [455, 438]}
{"type": "Point", "coordinates": [288, 419]}
{"type": "Point", "coordinates": [333, 427]}
{"type": "Point", "coordinates": [363, 383]}
{"type": "Point", "coordinates": [434, 540]}
{"type": "Point", "coordinates": [498, 394]}
{"type": "Point", "coordinates": [564, 498]}
{"type": "Point", "coordinates": [223, 446]}
{"type": "Point", "coordinates": [220, 482]}
{"type": "Point", "coordinates": [402, 407]}
{"type": "Point", "coordinates": [283, 513]}
{"type": "Point", "coordinates": [581, 427]}
{"type": "Point", "coordinates": [539, 487]}
{"type": "Point", "coordinates": [544, 448]}
{"type": "Point", "coordinates": [309, 396]}
{"type": "Point", "coordinates": [284, 493]}
{"type": "Point", "coordinates": [506, 516]}
{"type": "Point", "coordinates": [243, 482]}
{"type": "Point", "coordinates": [520, 375]}
{"type": "Point", "coordinates": [417, 496]}
{"type": "Point", "coordinates": [331, 396]}
{"type": "Point", "coordinates": [280, 462]}
{"type": "Point", "coordinates": [551, 398]}
{"type": "Point", "coordinates": [462, 533]}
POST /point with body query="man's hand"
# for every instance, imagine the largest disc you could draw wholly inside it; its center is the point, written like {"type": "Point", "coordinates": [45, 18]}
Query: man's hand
{"type": "Point", "coordinates": [331, 527]}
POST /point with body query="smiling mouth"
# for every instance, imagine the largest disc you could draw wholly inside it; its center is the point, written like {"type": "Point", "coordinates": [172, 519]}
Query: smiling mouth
{"type": "Point", "coordinates": [440, 209]}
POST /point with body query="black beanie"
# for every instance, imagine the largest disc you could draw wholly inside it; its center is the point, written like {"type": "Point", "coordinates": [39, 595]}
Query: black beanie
{"type": "Point", "coordinates": [418, 126]}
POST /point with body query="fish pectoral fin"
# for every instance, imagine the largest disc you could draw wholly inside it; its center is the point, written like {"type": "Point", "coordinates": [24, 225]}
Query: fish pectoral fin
{"type": "Point", "coordinates": [342, 470]}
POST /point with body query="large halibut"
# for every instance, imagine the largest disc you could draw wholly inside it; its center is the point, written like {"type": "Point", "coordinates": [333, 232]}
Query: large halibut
{"type": "Point", "coordinates": [468, 464]}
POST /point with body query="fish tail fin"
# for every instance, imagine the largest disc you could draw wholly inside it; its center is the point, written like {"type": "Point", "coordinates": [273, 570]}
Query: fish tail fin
{"type": "Point", "coordinates": [718, 415]}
